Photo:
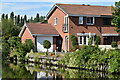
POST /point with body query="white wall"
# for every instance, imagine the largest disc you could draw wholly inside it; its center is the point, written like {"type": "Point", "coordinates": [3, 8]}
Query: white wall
{"type": "Point", "coordinates": [40, 40]}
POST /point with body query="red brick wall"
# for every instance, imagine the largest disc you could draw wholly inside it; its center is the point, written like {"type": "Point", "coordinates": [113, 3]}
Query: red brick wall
{"type": "Point", "coordinates": [78, 28]}
{"type": "Point", "coordinates": [26, 35]}
{"type": "Point", "coordinates": [54, 43]}
{"type": "Point", "coordinates": [60, 21]}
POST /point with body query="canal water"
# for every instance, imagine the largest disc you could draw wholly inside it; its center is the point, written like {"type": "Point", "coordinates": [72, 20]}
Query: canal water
{"type": "Point", "coordinates": [31, 71]}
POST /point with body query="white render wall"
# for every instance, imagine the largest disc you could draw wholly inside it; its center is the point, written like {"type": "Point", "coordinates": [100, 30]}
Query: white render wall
{"type": "Point", "coordinates": [40, 40]}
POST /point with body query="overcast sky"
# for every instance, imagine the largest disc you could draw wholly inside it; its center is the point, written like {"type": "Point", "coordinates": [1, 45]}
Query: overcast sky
{"type": "Point", "coordinates": [32, 7]}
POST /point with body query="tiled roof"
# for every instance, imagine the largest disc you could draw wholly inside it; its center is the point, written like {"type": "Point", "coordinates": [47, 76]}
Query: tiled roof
{"type": "Point", "coordinates": [97, 30]}
{"type": "Point", "coordinates": [109, 30]}
{"type": "Point", "coordinates": [86, 9]}
{"type": "Point", "coordinates": [41, 28]}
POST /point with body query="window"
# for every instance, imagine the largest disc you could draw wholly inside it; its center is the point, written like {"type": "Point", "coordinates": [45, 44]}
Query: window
{"type": "Point", "coordinates": [55, 21]}
{"type": "Point", "coordinates": [80, 20]}
{"type": "Point", "coordinates": [106, 21]}
{"type": "Point", "coordinates": [90, 20]}
{"type": "Point", "coordinates": [65, 24]}
{"type": "Point", "coordinates": [83, 40]}
{"type": "Point", "coordinates": [80, 39]}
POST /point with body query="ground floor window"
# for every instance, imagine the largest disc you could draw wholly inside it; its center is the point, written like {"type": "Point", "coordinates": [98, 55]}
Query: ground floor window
{"type": "Point", "coordinates": [109, 39]}
{"type": "Point", "coordinates": [83, 40]}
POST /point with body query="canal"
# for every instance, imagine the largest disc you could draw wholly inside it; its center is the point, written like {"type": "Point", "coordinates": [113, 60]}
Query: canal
{"type": "Point", "coordinates": [32, 71]}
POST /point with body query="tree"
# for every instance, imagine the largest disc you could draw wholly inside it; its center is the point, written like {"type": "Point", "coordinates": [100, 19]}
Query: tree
{"type": "Point", "coordinates": [6, 17]}
{"type": "Point", "coordinates": [21, 22]}
{"type": "Point", "coordinates": [46, 44]}
{"type": "Point", "coordinates": [12, 15]}
{"type": "Point", "coordinates": [5, 50]}
{"type": "Point", "coordinates": [37, 18]}
{"type": "Point", "coordinates": [3, 16]}
{"type": "Point", "coordinates": [14, 41]}
{"type": "Point", "coordinates": [18, 19]}
{"type": "Point", "coordinates": [42, 19]}
{"type": "Point", "coordinates": [9, 29]}
{"type": "Point", "coordinates": [25, 18]}
{"type": "Point", "coordinates": [116, 16]}
{"type": "Point", "coordinates": [31, 19]}
{"type": "Point", "coordinates": [15, 19]}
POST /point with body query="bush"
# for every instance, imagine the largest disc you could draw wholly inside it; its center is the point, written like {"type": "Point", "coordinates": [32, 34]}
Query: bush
{"type": "Point", "coordinates": [97, 40]}
{"type": "Point", "coordinates": [114, 44]}
{"type": "Point", "coordinates": [28, 45]}
{"type": "Point", "coordinates": [14, 41]}
{"type": "Point", "coordinates": [46, 44]}
{"type": "Point", "coordinates": [74, 41]}
{"type": "Point", "coordinates": [5, 49]}
{"type": "Point", "coordinates": [90, 41]}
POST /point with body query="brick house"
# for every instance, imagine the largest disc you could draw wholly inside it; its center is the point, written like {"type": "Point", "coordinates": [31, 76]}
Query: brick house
{"type": "Point", "coordinates": [66, 19]}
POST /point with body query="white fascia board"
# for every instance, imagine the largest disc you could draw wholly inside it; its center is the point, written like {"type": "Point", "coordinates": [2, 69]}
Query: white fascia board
{"type": "Point", "coordinates": [62, 10]}
{"type": "Point", "coordinates": [21, 32]}
{"type": "Point", "coordinates": [45, 35]}
{"type": "Point", "coordinates": [84, 15]}
{"type": "Point", "coordinates": [110, 34]}
{"type": "Point", "coordinates": [29, 31]}
{"type": "Point", "coordinates": [50, 11]}
{"type": "Point", "coordinates": [86, 34]}
{"type": "Point", "coordinates": [90, 15]}
{"type": "Point", "coordinates": [53, 9]}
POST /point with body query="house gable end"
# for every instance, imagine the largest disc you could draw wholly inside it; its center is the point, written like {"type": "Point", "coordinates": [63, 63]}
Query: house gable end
{"type": "Point", "coordinates": [53, 9]}
{"type": "Point", "coordinates": [26, 34]}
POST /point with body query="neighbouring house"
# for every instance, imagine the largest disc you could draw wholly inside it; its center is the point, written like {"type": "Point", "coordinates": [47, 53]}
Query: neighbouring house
{"type": "Point", "coordinates": [66, 19]}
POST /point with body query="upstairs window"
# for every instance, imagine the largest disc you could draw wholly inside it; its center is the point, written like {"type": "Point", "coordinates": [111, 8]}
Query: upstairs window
{"type": "Point", "coordinates": [106, 21]}
{"type": "Point", "coordinates": [90, 20]}
{"type": "Point", "coordinates": [55, 21]}
{"type": "Point", "coordinates": [80, 20]}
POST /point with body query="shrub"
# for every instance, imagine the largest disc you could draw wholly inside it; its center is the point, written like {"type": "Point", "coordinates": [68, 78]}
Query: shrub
{"type": "Point", "coordinates": [28, 45]}
{"type": "Point", "coordinates": [46, 44]}
{"type": "Point", "coordinates": [14, 41]}
{"type": "Point", "coordinates": [5, 49]}
{"type": "Point", "coordinates": [97, 40]}
{"type": "Point", "coordinates": [114, 44]}
{"type": "Point", "coordinates": [90, 41]}
{"type": "Point", "coordinates": [74, 41]}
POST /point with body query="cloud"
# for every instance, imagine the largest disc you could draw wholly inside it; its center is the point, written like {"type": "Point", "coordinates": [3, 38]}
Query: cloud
{"type": "Point", "coordinates": [28, 8]}
{"type": "Point", "coordinates": [24, 6]}
{"type": "Point", "coordinates": [59, 1]}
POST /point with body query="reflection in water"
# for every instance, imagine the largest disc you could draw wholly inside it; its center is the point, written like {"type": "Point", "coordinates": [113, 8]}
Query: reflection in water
{"type": "Point", "coordinates": [39, 71]}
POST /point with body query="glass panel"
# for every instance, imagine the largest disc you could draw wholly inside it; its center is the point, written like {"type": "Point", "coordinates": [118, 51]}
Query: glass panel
{"type": "Point", "coordinates": [84, 39]}
{"type": "Point", "coordinates": [89, 20]}
{"type": "Point", "coordinates": [80, 20]}
{"type": "Point", "coordinates": [80, 39]}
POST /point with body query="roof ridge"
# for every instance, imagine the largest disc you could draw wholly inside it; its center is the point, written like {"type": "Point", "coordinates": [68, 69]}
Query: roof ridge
{"type": "Point", "coordinates": [82, 5]}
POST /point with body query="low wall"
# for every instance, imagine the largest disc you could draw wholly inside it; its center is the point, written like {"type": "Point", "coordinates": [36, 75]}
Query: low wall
{"type": "Point", "coordinates": [107, 47]}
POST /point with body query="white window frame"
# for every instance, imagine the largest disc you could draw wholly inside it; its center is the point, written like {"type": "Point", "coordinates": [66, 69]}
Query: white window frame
{"type": "Point", "coordinates": [80, 20]}
{"type": "Point", "coordinates": [55, 21]}
{"type": "Point", "coordinates": [66, 23]}
{"type": "Point", "coordinates": [82, 40]}
{"type": "Point", "coordinates": [90, 23]}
